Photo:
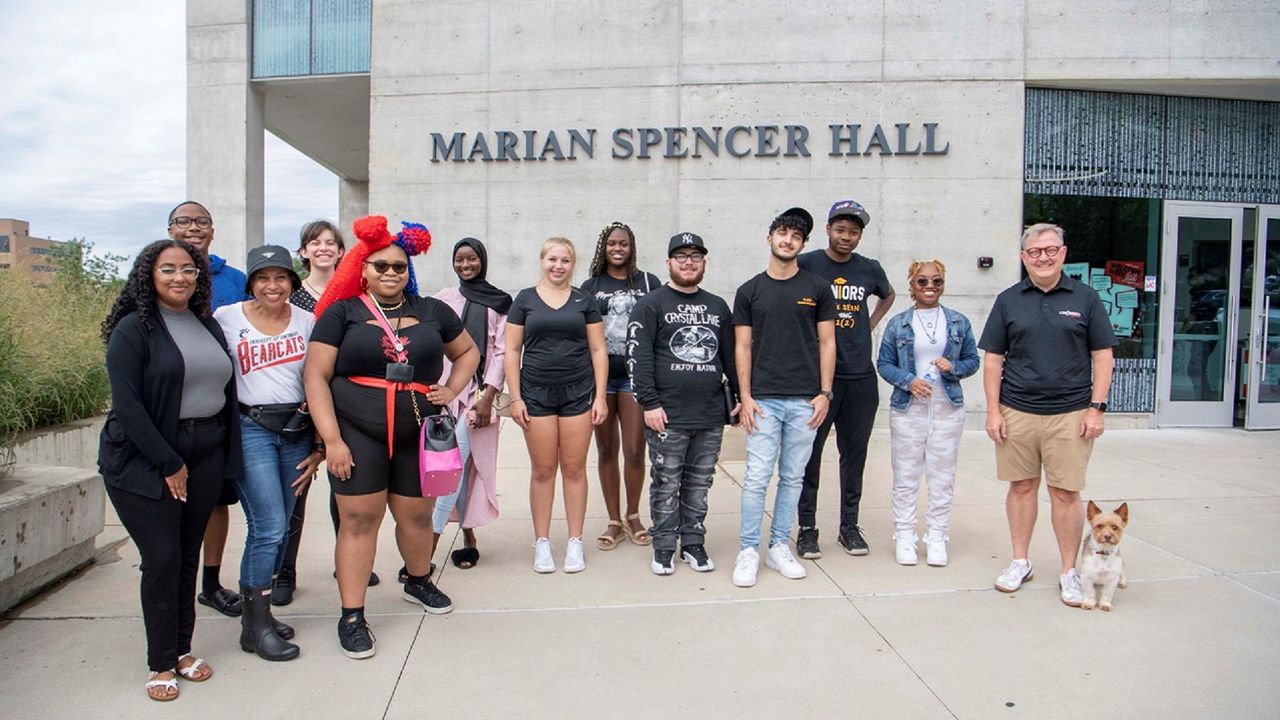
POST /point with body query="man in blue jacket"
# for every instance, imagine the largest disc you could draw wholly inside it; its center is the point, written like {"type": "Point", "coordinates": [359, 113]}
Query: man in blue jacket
{"type": "Point", "coordinates": [191, 221]}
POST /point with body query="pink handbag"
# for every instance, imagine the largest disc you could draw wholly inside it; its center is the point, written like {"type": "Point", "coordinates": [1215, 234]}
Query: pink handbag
{"type": "Point", "coordinates": [439, 459]}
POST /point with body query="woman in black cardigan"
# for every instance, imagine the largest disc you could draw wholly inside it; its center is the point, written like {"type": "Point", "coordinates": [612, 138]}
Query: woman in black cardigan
{"type": "Point", "coordinates": [170, 438]}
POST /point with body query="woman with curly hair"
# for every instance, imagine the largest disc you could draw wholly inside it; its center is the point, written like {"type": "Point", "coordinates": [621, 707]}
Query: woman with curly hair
{"type": "Point", "coordinates": [615, 285]}
{"type": "Point", "coordinates": [373, 372]}
{"type": "Point", "coordinates": [170, 439]}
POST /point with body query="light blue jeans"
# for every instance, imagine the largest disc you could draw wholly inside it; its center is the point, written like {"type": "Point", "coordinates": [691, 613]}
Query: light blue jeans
{"type": "Point", "coordinates": [444, 505]}
{"type": "Point", "coordinates": [266, 494]}
{"type": "Point", "coordinates": [782, 438]}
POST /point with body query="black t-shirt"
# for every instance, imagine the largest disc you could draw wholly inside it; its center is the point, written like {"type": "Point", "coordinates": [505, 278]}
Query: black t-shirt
{"type": "Point", "coordinates": [364, 349]}
{"type": "Point", "coordinates": [1046, 339]}
{"type": "Point", "coordinates": [851, 284]}
{"type": "Point", "coordinates": [555, 340]}
{"type": "Point", "coordinates": [784, 317]}
{"type": "Point", "coordinates": [681, 345]}
{"type": "Point", "coordinates": [614, 300]}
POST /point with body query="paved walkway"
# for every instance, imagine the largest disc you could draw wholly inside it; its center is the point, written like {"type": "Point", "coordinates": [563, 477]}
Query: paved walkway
{"type": "Point", "coordinates": [1196, 634]}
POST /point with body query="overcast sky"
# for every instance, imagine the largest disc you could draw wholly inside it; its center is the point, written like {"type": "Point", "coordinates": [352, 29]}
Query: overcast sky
{"type": "Point", "coordinates": [93, 126]}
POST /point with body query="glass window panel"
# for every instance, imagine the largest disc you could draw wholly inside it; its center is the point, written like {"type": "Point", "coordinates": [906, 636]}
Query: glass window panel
{"type": "Point", "coordinates": [340, 43]}
{"type": "Point", "coordinates": [281, 38]}
{"type": "Point", "coordinates": [1200, 309]}
{"type": "Point", "coordinates": [1269, 392]}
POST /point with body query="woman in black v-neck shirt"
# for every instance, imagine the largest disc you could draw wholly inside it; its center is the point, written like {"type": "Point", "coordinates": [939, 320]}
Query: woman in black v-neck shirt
{"type": "Point", "coordinates": [557, 368]}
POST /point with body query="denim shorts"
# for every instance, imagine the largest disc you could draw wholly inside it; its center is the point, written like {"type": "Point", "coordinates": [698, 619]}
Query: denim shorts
{"type": "Point", "coordinates": [617, 385]}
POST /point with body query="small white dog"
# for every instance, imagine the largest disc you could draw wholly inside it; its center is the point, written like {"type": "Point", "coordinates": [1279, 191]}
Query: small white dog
{"type": "Point", "coordinates": [1100, 563]}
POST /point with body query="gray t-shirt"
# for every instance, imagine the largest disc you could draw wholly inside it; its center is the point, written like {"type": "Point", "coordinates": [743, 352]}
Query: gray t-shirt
{"type": "Point", "coordinates": [207, 369]}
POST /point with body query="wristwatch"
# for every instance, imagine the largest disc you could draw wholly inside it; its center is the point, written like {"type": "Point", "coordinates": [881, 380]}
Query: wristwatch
{"type": "Point", "coordinates": [827, 394]}
{"type": "Point", "coordinates": [1100, 407]}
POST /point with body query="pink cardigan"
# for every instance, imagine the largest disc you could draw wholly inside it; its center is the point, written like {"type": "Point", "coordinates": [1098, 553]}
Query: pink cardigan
{"type": "Point", "coordinates": [482, 495]}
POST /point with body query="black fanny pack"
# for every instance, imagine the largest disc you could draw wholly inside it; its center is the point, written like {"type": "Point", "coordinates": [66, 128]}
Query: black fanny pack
{"type": "Point", "coordinates": [289, 420]}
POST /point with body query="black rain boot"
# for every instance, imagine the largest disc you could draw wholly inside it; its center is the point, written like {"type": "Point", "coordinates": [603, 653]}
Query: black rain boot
{"type": "Point", "coordinates": [257, 634]}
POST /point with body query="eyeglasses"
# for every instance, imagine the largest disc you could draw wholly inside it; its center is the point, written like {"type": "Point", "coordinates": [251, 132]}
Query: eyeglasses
{"type": "Point", "coordinates": [1049, 252]}
{"type": "Point", "coordinates": [382, 266]}
{"type": "Point", "coordinates": [184, 222]}
{"type": "Point", "coordinates": [925, 282]}
{"type": "Point", "coordinates": [190, 273]}
{"type": "Point", "coordinates": [682, 258]}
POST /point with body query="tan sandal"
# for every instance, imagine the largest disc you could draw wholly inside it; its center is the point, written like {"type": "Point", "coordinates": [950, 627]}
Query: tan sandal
{"type": "Point", "coordinates": [197, 671]}
{"type": "Point", "coordinates": [639, 537]}
{"type": "Point", "coordinates": [168, 689]}
{"type": "Point", "coordinates": [607, 541]}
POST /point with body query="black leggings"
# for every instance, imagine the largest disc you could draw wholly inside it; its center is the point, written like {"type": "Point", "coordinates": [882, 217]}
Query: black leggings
{"type": "Point", "coordinates": [168, 534]}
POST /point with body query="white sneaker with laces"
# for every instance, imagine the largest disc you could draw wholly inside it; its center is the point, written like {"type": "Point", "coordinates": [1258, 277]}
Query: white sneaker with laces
{"type": "Point", "coordinates": [904, 549]}
{"type": "Point", "coordinates": [573, 560]}
{"type": "Point", "coordinates": [746, 567]}
{"type": "Point", "coordinates": [780, 558]}
{"type": "Point", "coordinates": [542, 560]}
{"type": "Point", "coordinates": [936, 545]}
{"type": "Point", "coordinates": [1071, 591]}
{"type": "Point", "coordinates": [1018, 572]}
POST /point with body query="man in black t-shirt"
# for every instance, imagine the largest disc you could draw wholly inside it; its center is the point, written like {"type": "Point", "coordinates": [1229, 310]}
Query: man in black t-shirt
{"type": "Point", "coordinates": [785, 347]}
{"type": "Point", "coordinates": [680, 354]}
{"type": "Point", "coordinates": [853, 279]}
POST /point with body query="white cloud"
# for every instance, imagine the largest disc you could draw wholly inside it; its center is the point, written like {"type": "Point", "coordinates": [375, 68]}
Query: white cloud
{"type": "Point", "coordinates": [93, 125]}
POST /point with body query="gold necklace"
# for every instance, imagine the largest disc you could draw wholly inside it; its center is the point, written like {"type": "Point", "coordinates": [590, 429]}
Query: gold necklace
{"type": "Point", "coordinates": [390, 308]}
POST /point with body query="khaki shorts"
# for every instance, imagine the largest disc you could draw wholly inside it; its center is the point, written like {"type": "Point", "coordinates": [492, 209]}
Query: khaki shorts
{"type": "Point", "coordinates": [1049, 441]}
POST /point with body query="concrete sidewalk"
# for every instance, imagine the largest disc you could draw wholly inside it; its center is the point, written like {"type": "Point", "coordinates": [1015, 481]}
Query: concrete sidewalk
{"type": "Point", "coordinates": [1196, 634]}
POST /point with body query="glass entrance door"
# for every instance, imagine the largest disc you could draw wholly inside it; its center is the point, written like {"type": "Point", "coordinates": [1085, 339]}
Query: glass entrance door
{"type": "Point", "coordinates": [1263, 372]}
{"type": "Point", "coordinates": [1199, 303]}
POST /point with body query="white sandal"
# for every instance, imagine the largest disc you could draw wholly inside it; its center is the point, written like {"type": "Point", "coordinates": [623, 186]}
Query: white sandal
{"type": "Point", "coordinates": [190, 672]}
{"type": "Point", "coordinates": [169, 685]}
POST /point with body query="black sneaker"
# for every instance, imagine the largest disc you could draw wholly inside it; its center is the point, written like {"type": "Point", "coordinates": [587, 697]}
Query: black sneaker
{"type": "Point", "coordinates": [355, 636]}
{"type": "Point", "coordinates": [807, 543]}
{"type": "Point", "coordinates": [663, 562]}
{"type": "Point", "coordinates": [696, 556]}
{"type": "Point", "coordinates": [427, 595]}
{"type": "Point", "coordinates": [851, 540]}
{"type": "Point", "coordinates": [282, 589]}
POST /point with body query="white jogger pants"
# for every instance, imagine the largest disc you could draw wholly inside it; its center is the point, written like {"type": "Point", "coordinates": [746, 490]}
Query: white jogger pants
{"type": "Point", "coordinates": [925, 440]}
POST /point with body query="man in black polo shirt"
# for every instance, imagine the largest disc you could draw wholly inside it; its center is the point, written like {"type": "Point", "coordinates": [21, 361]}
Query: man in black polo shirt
{"type": "Point", "coordinates": [1048, 366]}
{"type": "Point", "coordinates": [854, 280]}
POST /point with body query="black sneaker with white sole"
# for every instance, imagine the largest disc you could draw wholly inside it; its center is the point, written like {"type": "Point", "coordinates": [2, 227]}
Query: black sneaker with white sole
{"type": "Point", "coordinates": [355, 636]}
{"type": "Point", "coordinates": [807, 543]}
{"type": "Point", "coordinates": [425, 593]}
{"type": "Point", "coordinates": [696, 556]}
{"type": "Point", "coordinates": [851, 540]}
{"type": "Point", "coordinates": [663, 562]}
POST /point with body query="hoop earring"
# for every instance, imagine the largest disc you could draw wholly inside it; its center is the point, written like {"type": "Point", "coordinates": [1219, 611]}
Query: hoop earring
{"type": "Point", "coordinates": [364, 284]}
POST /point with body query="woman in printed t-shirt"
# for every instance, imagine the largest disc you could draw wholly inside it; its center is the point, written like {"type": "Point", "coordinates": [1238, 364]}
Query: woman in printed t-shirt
{"type": "Point", "coordinates": [557, 365]}
{"type": "Point", "coordinates": [615, 285]}
{"type": "Point", "coordinates": [268, 341]}
{"type": "Point", "coordinates": [366, 395]}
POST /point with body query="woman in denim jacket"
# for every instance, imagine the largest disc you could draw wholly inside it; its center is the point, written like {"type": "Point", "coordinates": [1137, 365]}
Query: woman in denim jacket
{"type": "Point", "coordinates": [924, 354]}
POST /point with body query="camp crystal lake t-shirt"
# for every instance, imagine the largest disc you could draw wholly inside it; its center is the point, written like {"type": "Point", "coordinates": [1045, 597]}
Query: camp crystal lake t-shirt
{"type": "Point", "coordinates": [268, 367]}
{"type": "Point", "coordinates": [681, 346]}
{"type": "Point", "coordinates": [784, 317]}
{"type": "Point", "coordinates": [852, 283]}
{"type": "Point", "coordinates": [365, 349]}
{"type": "Point", "coordinates": [555, 339]}
{"type": "Point", "coordinates": [614, 300]}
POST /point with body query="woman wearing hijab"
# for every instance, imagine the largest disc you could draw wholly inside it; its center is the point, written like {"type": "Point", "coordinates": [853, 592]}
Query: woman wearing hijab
{"type": "Point", "coordinates": [483, 309]}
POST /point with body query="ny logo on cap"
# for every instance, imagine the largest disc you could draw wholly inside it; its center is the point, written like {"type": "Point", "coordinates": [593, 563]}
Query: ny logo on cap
{"type": "Point", "coordinates": [686, 237]}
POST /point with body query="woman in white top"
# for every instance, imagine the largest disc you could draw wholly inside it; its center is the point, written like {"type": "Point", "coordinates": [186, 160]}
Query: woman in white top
{"type": "Point", "coordinates": [268, 337]}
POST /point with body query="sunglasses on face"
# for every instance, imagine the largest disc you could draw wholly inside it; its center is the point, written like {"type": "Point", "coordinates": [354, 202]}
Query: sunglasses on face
{"type": "Point", "coordinates": [169, 271]}
{"type": "Point", "coordinates": [184, 222]}
{"type": "Point", "coordinates": [382, 266]}
{"type": "Point", "coordinates": [926, 282]}
{"type": "Point", "coordinates": [1049, 252]}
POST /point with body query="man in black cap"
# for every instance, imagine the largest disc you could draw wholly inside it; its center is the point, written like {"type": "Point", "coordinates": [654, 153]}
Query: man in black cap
{"type": "Point", "coordinates": [854, 279]}
{"type": "Point", "coordinates": [679, 356]}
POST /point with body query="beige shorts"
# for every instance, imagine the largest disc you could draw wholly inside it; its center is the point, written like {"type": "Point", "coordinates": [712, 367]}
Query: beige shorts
{"type": "Point", "coordinates": [1049, 441]}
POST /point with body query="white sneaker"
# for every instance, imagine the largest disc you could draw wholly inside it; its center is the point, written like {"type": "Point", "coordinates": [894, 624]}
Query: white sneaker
{"type": "Point", "coordinates": [542, 560]}
{"type": "Point", "coordinates": [936, 544]}
{"type": "Point", "coordinates": [573, 560]}
{"type": "Point", "coordinates": [1071, 591]}
{"type": "Point", "coordinates": [746, 567]}
{"type": "Point", "coordinates": [780, 558]}
{"type": "Point", "coordinates": [1018, 572]}
{"type": "Point", "coordinates": [904, 549]}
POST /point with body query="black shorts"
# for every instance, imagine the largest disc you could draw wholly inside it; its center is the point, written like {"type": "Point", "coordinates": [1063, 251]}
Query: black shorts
{"type": "Point", "coordinates": [562, 400]}
{"type": "Point", "coordinates": [362, 422]}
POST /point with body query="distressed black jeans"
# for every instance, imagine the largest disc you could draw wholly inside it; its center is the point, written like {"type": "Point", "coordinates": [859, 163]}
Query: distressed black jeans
{"type": "Point", "coordinates": [682, 464]}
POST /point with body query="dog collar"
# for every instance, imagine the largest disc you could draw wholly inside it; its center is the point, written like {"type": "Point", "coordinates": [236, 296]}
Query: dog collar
{"type": "Point", "coordinates": [1104, 552]}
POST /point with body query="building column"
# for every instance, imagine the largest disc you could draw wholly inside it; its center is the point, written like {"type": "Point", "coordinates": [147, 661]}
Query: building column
{"type": "Point", "coordinates": [353, 202]}
{"type": "Point", "coordinates": [225, 116]}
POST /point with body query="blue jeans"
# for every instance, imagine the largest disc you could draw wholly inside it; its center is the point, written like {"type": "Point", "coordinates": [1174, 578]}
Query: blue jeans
{"type": "Point", "coordinates": [782, 437]}
{"type": "Point", "coordinates": [445, 504]}
{"type": "Point", "coordinates": [266, 494]}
